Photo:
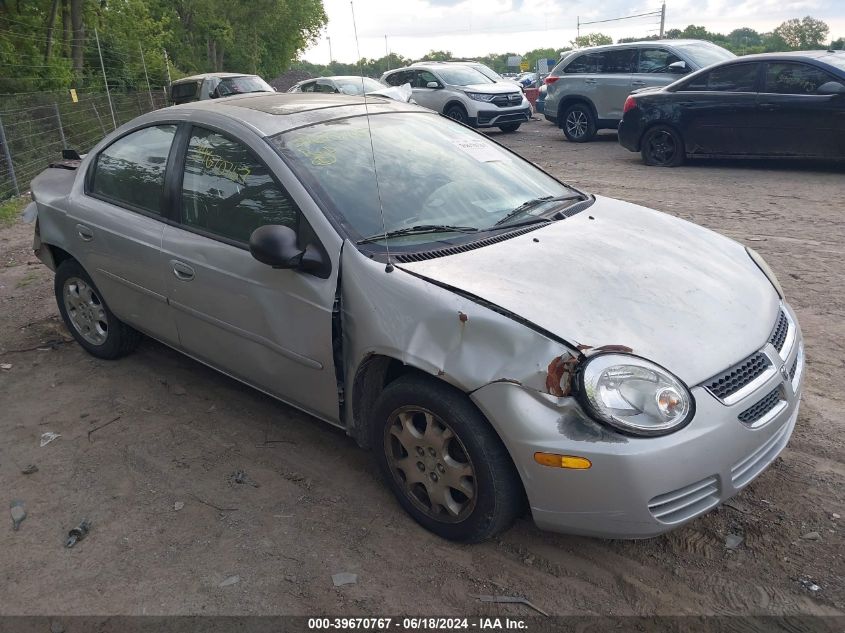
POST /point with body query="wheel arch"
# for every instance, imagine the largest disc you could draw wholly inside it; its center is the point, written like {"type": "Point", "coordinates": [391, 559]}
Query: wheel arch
{"type": "Point", "coordinates": [455, 102]}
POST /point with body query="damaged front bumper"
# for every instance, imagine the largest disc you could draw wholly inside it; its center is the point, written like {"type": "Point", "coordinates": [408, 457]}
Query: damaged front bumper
{"type": "Point", "coordinates": [637, 487]}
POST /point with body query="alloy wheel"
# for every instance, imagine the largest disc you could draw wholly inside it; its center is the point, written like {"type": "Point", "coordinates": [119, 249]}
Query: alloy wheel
{"type": "Point", "coordinates": [85, 311]}
{"type": "Point", "coordinates": [431, 464]}
{"type": "Point", "coordinates": [662, 147]}
{"type": "Point", "coordinates": [577, 123]}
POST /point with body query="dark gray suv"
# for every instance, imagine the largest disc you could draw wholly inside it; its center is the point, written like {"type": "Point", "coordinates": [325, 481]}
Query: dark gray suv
{"type": "Point", "coordinates": [588, 87]}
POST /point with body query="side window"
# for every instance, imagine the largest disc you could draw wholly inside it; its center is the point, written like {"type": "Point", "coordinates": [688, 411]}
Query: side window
{"type": "Point", "coordinates": [228, 192]}
{"type": "Point", "coordinates": [617, 62]}
{"type": "Point", "coordinates": [397, 79]}
{"type": "Point", "coordinates": [732, 78]}
{"type": "Point", "coordinates": [423, 77]}
{"type": "Point", "coordinates": [656, 60]}
{"type": "Point", "coordinates": [130, 171]}
{"type": "Point", "coordinates": [309, 87]}
{"type": "Point", "coordinates": [325, 86]}
{"type": "Point", "coordinates": [582, 65]}
{"type": "Point", "coordinates": [794, 79]}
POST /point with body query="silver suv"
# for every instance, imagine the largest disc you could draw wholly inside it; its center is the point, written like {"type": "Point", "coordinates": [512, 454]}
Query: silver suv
{"type": "Point", "coordinates": [464, 94]}
{"type": "Point", "coordinates": [588, 87]}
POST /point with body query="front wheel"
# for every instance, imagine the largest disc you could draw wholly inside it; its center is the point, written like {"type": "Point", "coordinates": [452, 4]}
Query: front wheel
{"type": "Point", "coordinates": [579, 124]}
{"type": "Point", "coordinates": [510, 127]}
{"type": "Point", "coordinates": [445, 464]}
{"type": "Point", "coordinates": [662, 146]}
{"type": "Point", "coordinates": [458, 113]}
{"type": "Point", "coordinates": [87, 316]}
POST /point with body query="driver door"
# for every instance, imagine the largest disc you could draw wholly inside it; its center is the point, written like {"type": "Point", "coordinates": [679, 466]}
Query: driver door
{"type": "Point", "coordinates": [269, 328]}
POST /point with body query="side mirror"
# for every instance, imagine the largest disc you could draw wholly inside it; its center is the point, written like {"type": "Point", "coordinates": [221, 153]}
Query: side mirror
{"type": "Point", "coordinates": [275, 245]}
{"type": "Point", "coordinates": [831, 88]}
{"type": "Point", "coordinates": [433, 84]}
{"type": "Point", "coordinates": [678, 67]}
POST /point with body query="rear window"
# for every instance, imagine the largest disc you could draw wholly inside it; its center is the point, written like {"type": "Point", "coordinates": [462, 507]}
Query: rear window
{"type": "Point", "coordinates": [241, 85]}
{"type": "Point", "coordinates": [187, 90]}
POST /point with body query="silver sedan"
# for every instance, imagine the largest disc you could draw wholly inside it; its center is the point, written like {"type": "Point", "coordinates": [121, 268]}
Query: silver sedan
{"type": "Point", "coordinates": [499, 339]}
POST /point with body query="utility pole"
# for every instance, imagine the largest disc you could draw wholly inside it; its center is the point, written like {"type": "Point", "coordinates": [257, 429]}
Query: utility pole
{"type": "Point", "coordinates": [105, 79]}
{"type": "Point", "coordinates": [331, 59]}
{"type": "Point", "coordinates": [578, 28]}
{"type": "Point", "coordinates": [662, 19]}
{"type": "Point", "coordinates": [167, 66]}
{"type": "Point", "coordinates": [387, 52]}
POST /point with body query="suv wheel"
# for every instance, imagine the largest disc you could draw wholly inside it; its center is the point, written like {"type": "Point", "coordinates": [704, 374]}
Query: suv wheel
{"type": "Point", "coordinates": [88, 317]}
{"type": "Point", "coordinates": [662, 146]}
{"type": "Point", "coordinates": [445, 464]}
{"type": "Point", "coordinates": [510, 127]}
{"type": "Point", "coordinates": [578, 123]}
{"type": "Point", "coordinates": [458, 113]}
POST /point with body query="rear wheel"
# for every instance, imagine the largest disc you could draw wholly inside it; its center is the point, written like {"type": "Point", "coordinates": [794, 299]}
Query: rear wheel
{"type": "Point", "coordinates": [87, 316]}
{"type": "Point", "coordinates": [445, 464]}
{"type": "Point", "coordinates": [510, 127]}
{"type": "Point", "coordinates": [458, 113]}
{"type": "Point", "coordinates": [578, 123]}
{"type": "Point", "coordinates": [662, 146]}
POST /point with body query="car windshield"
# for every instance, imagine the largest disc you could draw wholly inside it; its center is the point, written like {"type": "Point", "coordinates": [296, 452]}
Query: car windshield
{"type": "Point", "coordinates": [431, 172]}
{"type": "Point", "coordinates": [704, 53]}
{"type": "Point", "coordinates": [837, 60]}
{"type": "Point", "coordinates": [352, 85]}
{"type": "Point", "coordinates": [487, 72]}
{"type": "Point", "coordinates": [242, 85]}
{"type": "Point", "coordinates": [463, 76]}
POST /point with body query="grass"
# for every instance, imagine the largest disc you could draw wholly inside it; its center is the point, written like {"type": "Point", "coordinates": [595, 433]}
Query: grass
{"type": "Point", "coordinates": [11, 209]}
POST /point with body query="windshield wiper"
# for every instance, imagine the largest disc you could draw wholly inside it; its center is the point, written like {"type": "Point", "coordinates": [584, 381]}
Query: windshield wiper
{"type": "Point", "coordinates": [419, 229]}
{"type": "Point", "coordinates": [535, 202]}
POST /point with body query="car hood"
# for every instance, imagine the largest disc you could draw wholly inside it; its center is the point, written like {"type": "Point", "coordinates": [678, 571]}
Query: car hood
{"type": "Point", "coordinates": [673, 292]}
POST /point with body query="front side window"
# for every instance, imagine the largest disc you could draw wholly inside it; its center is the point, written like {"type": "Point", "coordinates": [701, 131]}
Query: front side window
{"type": "Point", "coordinates": [790, 78]}
{"type": "Point", "coordinates": [325, 86]}
{"type": "Point", "coordinates": [731, 78]}
{"type": "Point", "coordinates": [130, 171]}
{"type": "Point", "coordinates": [430, 171]}
{"type": "Point", "coordinates": [424, 77]}
{"type": "Point", "coordinates": [226, 191]}
{"type": "Point", "coordinates": [656, 60]}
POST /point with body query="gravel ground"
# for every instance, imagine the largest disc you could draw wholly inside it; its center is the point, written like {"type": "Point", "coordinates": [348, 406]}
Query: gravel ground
{"type": "Point", "coordinates": [149, 446]}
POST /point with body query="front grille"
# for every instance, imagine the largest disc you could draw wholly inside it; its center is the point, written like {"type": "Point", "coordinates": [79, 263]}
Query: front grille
{"type": "Point", "coordinates": [684, 503]}
{"type": "Point", "coordinates": [757, 411]}
{"type": "Point", "coordinates": [794, 367]}
{"type": "Point", "coordinates": [754, 464]}
{"type": "Point", "coordinates": [507, 100]}
{"type": "Point", "coordinates": [779, 333]}
{"type": "Point", "coordinates": [738, 376]}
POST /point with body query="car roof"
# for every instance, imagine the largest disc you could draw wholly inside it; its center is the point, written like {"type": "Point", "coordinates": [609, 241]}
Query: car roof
{"type": "Point", "coordinates": [663, 42]}
{"type": "Point", "coordinates": [210, 76]}
{"type": "Point", "coordinates": [791, 55]}
{"type": "Point", "coordinates": [270, 113]}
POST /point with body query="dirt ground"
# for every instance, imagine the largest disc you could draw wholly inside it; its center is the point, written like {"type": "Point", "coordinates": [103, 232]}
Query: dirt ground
{"type": "Point", "coordinates": [149, 446]}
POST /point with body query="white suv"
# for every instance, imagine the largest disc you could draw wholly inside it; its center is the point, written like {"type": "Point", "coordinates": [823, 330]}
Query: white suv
{"type": "Point", "coordinates": [464, 94]}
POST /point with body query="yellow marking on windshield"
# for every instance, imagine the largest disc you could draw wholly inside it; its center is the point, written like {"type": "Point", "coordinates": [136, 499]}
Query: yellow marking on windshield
{"type": "Point", "coordinates": [319, 147]}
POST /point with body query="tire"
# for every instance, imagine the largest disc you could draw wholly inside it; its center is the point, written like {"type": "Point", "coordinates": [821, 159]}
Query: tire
{"type": "Point", "coordinates": [510, 127]}
{"type": "Point", "coordinates": [662, 146]}
{"type": "Point", "coordinates": [458, 113]}
{"type": "Point", "coordinates": [578, 123]}
{"type": "Point", "coordinates": [424, 433]}
{"type": "Point", "coordinates": [87, 316]}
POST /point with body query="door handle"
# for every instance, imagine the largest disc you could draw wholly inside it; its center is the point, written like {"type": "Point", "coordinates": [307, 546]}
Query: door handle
{"type": "Point", "coordinates": [182, 271]}
{"type": "Point", "coordinates": [638, 83]}
{"type": "Point", "coordinates": [84, 232]}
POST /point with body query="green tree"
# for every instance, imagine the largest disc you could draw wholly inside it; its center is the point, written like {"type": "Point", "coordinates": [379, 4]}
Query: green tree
{"type": "Point", "coordinates": [437, 56]}
{"type": "Point", "coordinates": [592, 39]}
{"type": "Point", "coordinates": [805, 34]}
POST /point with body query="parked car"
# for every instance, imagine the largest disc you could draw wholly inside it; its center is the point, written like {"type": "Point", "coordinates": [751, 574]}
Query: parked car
{"type": "Point", "coordinates": [381, 273]}
{"type": "Point", "coordinates": [588, 87]}
{"type": "Point", "coordinates": [348, 85]}
{"type": "Point", "coordinates": [214, 85]}
{"type": "Point", "coordinates": [540, 104]}
{"type": "Point", "coordinates": [482, 68]}
{"type": "Point", "coordinates": [769, 105]}
{"type": "Point", "coordinates": [464, 94]}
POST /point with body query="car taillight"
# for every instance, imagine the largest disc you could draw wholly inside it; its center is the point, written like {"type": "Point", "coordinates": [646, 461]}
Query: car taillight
{"type": "Point", "coordinates": [550, 80]}
{"type": "Point", "coordinates": [630, 104]}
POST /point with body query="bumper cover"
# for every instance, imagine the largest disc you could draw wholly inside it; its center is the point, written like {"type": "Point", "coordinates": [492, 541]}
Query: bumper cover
{"type": "Point", "coordinates": [492, 118]}
{"type": "Point", "coordinates": [636, 487]}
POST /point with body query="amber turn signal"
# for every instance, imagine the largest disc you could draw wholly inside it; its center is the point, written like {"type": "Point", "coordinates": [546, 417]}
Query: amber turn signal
{"type": "Point", "coordinates": [562, 461]}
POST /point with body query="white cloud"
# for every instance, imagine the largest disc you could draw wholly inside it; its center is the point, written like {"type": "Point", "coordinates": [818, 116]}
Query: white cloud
{"type": "Point", "coordinates": [476, 27]}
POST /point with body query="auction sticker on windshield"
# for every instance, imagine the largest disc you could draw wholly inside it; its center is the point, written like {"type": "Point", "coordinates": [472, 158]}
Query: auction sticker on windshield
{"type": "Point", "coordinates": [480, 151]}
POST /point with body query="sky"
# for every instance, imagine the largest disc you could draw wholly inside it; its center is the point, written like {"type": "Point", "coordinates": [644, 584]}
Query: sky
{"type": "Point", "coordinates": [470, 28]}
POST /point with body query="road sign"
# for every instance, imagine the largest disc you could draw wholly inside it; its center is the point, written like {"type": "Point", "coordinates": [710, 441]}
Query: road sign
{"type": "Point", "coordinates": [523, 66]}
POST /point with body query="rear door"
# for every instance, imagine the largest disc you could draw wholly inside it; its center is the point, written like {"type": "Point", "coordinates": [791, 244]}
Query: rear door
{"type": "Point", "coordinates": [580, 78]}
{"type": "Point", "coordinates": [796, 120]}
{"type": "Point", "coordinates": [118, 223]}
{"type": "Point", "coordinates": [653, 67]}
{"type": "Point", "coordinates": [718, 110]}
{"type": "Point", "coordinates": [270, 328]}
{"type": "Point", "coordinates": [613, 71]}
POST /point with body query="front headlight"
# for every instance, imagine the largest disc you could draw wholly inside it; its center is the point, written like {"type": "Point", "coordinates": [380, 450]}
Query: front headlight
{"type": "Point", "coordinates": [480, 96]}
{"type": "Point", "coordinates": [764, 268]}
{"type": "Point", "coordinates": [634, 395]}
